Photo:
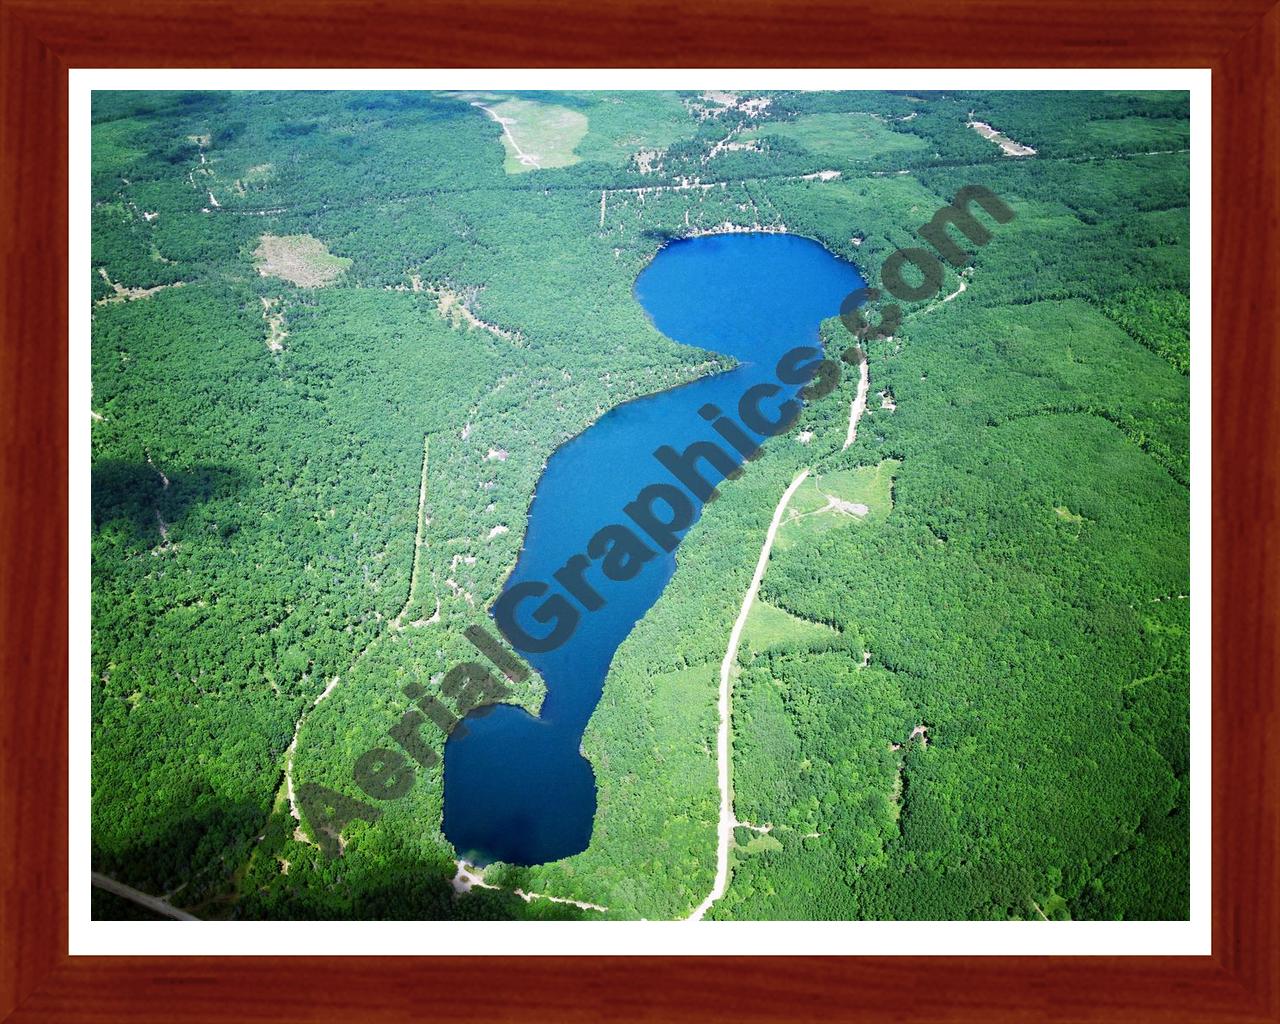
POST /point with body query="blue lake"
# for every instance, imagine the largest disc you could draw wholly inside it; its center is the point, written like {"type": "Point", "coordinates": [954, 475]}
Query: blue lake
{"type": "Point", "coordinates": [516, 788]}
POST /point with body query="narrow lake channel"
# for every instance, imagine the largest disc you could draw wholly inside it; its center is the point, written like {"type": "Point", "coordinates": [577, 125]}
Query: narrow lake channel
{"type": "Point", "coordinates": [516, 788]}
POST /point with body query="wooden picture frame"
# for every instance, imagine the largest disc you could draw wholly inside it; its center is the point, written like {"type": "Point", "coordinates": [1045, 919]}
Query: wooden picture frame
{"type": "Point", "coordinates": [41, 40]}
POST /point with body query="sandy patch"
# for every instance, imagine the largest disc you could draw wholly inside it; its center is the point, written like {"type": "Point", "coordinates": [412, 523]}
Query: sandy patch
{"type": "Point", "coordinates": [467, 879]}
{"type": "Point", "coordinates": [454, 307]}
{"type": "Point", "coordinates": [718, 101]}
{"type": "Point", "coordinates": [729, 228]}
{"type": "Point", "coordinates": [847, 508]}
{"type": "Point", "coordinates": [123, 294]}
{"type": "Point", "coordinates": [275, 325]}
{"type": "Point", "coordinates": [1007, 144]}
{"type": "Point", "coordinates": [854, 509]}
{"type": "Point", "coordinates": [859, 405]}
{"type": "Point", "coordinates": [649, 160]}
{"type": "Point", "coordinates": [299, 259]}
{"type": "Point", "coordinates": [727, 145]}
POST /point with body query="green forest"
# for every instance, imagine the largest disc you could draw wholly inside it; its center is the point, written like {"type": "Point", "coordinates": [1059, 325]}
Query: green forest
{"type": "Point", "coordinates": [337, 335]}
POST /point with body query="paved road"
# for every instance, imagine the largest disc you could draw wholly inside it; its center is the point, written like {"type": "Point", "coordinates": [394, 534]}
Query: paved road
{"type": "Point", "coordinates": [152, 903]}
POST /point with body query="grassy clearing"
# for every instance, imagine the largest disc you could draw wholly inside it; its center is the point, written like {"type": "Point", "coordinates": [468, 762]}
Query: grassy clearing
{"type": "Point", "coordinates": [624, 123]}
{"type": "Point", "coordinates": [538, 134]}
{"type": "Point", "coordinates": [755, 842]}
{"type": "Point", "coordinates": [851, 136]}
{"type": "Point", "coordinates": [299, 259]}
{"type": "Point", "coordinates": [848, 497]}
{"type": "Point", "coordinates": [768, 625]}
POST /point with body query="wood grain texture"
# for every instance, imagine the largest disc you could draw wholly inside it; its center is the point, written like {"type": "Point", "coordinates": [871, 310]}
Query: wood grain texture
{"type": "Point", "coordinates": [40, 40]}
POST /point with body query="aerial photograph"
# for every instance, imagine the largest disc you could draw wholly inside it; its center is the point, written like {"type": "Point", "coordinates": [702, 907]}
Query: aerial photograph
{"type": "Point", "coordinates": [639, 505]}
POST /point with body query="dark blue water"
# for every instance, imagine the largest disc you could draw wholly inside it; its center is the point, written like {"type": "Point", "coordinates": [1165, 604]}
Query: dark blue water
{"type": "Point", "coordinates": [516, 788]}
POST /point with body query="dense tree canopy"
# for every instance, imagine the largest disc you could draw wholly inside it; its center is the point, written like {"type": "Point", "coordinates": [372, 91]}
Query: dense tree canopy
{"type": "Point", "coordinates": [971, 703]}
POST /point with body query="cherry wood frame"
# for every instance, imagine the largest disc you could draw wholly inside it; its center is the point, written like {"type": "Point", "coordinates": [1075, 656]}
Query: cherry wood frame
{"type": "Point", "coordinates": [41, 39]}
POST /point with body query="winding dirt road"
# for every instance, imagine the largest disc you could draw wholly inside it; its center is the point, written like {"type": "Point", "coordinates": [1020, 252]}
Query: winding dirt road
{"type": "Point", "coordinates": [528, 159]}
{"type": "Point", "coordinates": [727, 820]}
{"type": "Point", "coordinates": [394, 624]}
{"type": "Point", "coordinates": [418, 541]}
{"type": "Point", "coordinates": [859, 405]}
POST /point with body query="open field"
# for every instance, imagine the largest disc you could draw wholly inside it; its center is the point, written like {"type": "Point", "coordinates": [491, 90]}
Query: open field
{"type": "Point", "coordinates": [537, 135]}
{"type": "Point", "coordinates": [835, 500]}
{"type": "Point", "coordinates": [852, 136]}
{"type": "Point", "coordinates": [768, 626]}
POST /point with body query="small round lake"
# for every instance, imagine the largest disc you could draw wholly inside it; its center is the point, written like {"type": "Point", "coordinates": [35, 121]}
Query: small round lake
{"type": "Point", "coordinates": [516, 788]}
